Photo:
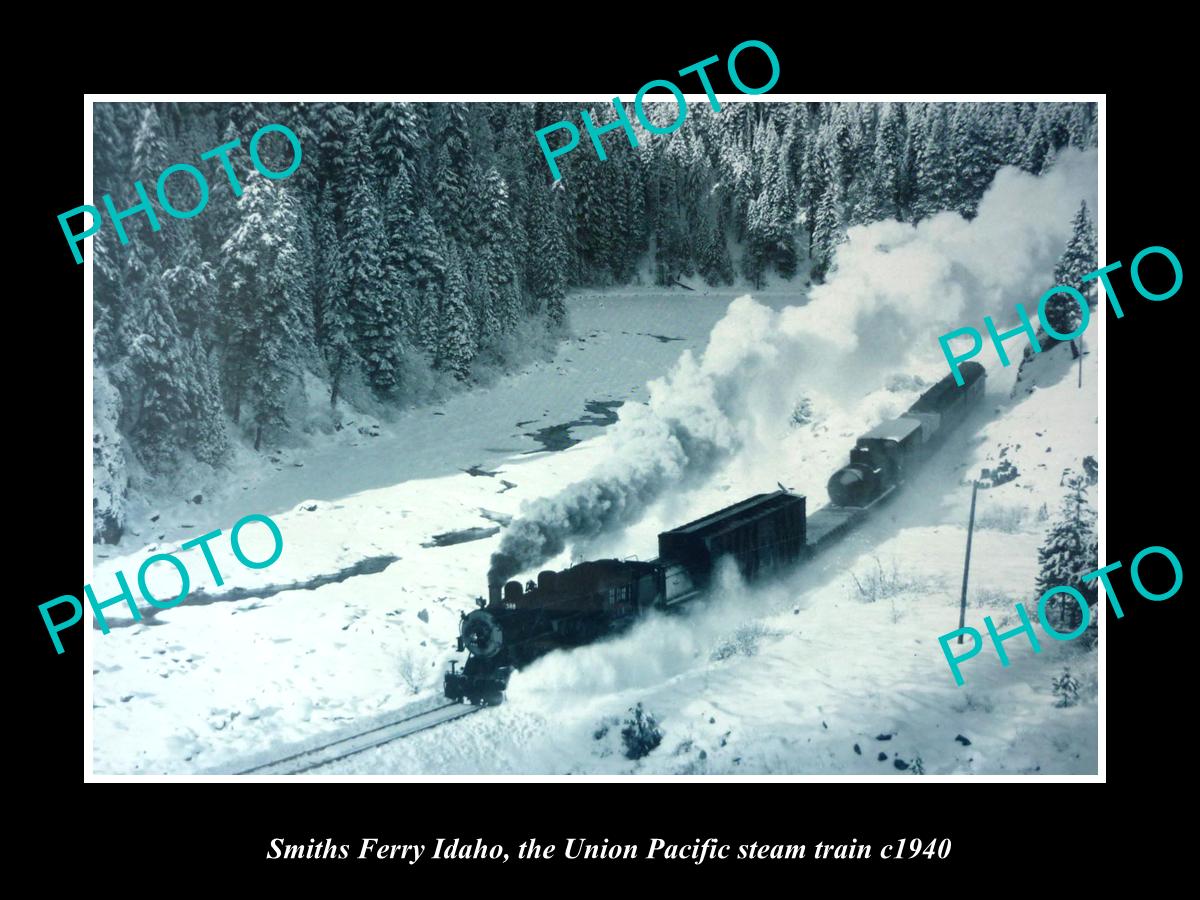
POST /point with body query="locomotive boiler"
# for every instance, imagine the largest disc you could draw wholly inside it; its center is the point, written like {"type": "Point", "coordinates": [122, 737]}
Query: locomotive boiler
{"type": "Point", "coordinates": [761, 534]}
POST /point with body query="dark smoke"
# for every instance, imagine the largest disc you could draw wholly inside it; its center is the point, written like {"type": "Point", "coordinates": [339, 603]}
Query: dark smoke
{"type": "Point", "coordinates": [618, 495]}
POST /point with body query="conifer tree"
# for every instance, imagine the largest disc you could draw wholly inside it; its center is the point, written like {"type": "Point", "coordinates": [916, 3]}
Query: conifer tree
{"type": "Point", "coordinates": [159, 360]}
{"type": "Point", "coordinates": [397, 137]}
{"type": "Point", "coordinates": [376, 331]}
{"type": "Point", "coordinates": [244, 257]}
{"type": "Point", "coordinates": [1078, 259]}
{"type": "Point", "coordinates": [335, 123]}
{"type": "Point", "coordinates": [1039, 147]}
{"type": "Point", "coordinates": [497, 224]}
{"type": "Point", "coordinates": [915, 115]}
{"type": "Point", "coordinates": [814, 180]}
{"type": "Point", "coordinates": [935, 174]}
{"type": "Point", "coordinates": [110, 473]}
{"type": "Point", "coordinates": [1068, 553]}
{"type": "Point", "coordinates": [1010, 135]}
{"type": "Point", "coordinates": [715, 265]}
{"type": "Point", "coordinates": [207, 436]}
{"type": "Point", "coordinates": [843, 154]}
{"type": "Point", "coordinates": [1081, 125]}
{"type": "Point", "coordinates": [546, 275]}
{"type": "Point", "coordinates": [276, 323]}
{"type": "Point", "coordinates": [427, 267]}
{"type": "Point", "coordinates": [971, 159]}
{"type": "Point", "coordinates": [758, 235]}
{"type": "Point", "coordinates": [456, 326]}
{"type": "Point", "coordinates": [330, 316]}
{"type": "Point", "coordinates": [827, 233]}
{"type": "Point", "coordinates": [887, 166]}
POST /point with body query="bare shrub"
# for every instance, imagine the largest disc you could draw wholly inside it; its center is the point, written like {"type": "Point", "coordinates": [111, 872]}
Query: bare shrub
{"type": "Point", "coordinates": [879, 583]}
{"type": "Point", "coordinates": [988, 596]}
{"type": "Point", "coordinates": [744, 641]}
{"type": "Point", "coordinates": [412, 669]}
{"type": "Point", "coordinates": [1008, 519]}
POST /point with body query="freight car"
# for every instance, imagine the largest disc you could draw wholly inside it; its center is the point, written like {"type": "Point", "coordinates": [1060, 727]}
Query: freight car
{"type": "Point", "coordinates": [763, 533]}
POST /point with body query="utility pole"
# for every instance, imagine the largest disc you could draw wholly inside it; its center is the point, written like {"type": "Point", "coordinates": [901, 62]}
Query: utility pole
{"type": "Point", "coordinates": [1081, 362]}
{"type": "Point", "coordinates": [962, 613]}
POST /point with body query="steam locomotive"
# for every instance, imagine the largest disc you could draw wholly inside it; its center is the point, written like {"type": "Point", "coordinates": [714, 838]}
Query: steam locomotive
{"type": "Point", "coordinates": [763, 533]}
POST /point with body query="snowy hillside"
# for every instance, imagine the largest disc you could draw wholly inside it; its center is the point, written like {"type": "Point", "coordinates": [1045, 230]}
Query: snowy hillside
{"type": "Point", "coordinates": [787, 677]}
{"type": "Point", "coordinates": [804, 676]}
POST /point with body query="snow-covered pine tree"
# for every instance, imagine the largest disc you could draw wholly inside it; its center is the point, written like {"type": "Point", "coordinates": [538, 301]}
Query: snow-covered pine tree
{"type": "Point", "coordinates": [109, 470]}
{"type": "Point", "coordinates": [1068, 553]}
{"type": "Point", "coordinates": [304, 241]}
{"type": "Point", "coordinates": [795, 139]}
{"type": "Point", "coordinates": [427, 267]}
{"type": "Point", "coordinates": [112, 126]}
{"type": "Point", "coordinates": [758, 235]}
{"type": "Point", "coordinates": [715, 264]}
{"type": "Point", "coordinates": [331, 319]}
{"type": "Point", "coordinates": [887, 167]}
{"type": "Point", "coordinates": [828, 232]}
{"type": "Point", "coordinates": [631, 208]}
{"type": "Point", "coordinates": [244, 256]}
{"type": "Point", "coordinates": [110, 296]}
{"type": "Point", "coordinates": [207, 436]}
{"type": "Point", "coordinates": [1010, 137]}
{"type": "Point", "coordinates": [454, 160]}
{"type": "Point", "coordinates": [497, 224]}
{"type": "Point", "coordinates": [593, 236]}
{"type": "Point", "coordinates": [398, 137]}
{"type": "Point", "coordinates": [935, 181]}
{"type": "Point", "coordinates": [147, 249]}
{"type": "Point", "coordinates": [191, 281]}
{"type": "Point", "coordinates": [915, 115]}
{"type": "Point", "coordinates": [1081, 125]}
{"type": "Point", "coordinates": [376, 327]}
{"type": "Point", "coordinates": [844, 155]}
{"type": "Point", "coordinates": [547, 282]}
{"type": "Point", "coordinates": [972, 158]}
{"type": "Point", "coordinates": [161, 364]}
{"type": "Point", "coordinates": [335, 123]}
{"type": "Point", "coordinates": [1039, 147]}
{"type": "Point", "coordinates": [304, 183]}
{"type": "Point", "coordinates": [476, 266]}
{"type": "Point", "coordinates": [781, 204]}
{"type": "Point", "coordinates": [276, 325]}
{"type": "Point", "coordinates": [814, 179]}
{"type": "Point", "coordinates": [456, 326]}
{"type": "Point", "coordinates": [1078, 259]}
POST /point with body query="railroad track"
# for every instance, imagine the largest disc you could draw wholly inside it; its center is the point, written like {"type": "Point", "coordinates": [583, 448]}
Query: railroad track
{"type": "Point", "coordinates": [324, 754]}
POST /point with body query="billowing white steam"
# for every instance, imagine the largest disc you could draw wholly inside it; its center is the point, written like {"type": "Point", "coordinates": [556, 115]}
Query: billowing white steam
{"type": "Point", "coordinates": [896, 288]}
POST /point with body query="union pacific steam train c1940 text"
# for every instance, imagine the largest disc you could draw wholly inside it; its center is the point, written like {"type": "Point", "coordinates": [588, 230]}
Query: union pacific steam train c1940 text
{"type": "Point", "coordinates": [761, 533]}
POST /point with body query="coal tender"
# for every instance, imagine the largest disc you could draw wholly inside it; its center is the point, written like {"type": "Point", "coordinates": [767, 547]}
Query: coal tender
{"type": "Point", "coordinates": [761, 534]}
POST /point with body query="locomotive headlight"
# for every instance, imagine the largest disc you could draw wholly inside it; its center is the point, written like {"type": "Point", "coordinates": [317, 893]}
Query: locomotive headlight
{"type": "Point", "coordinates": [481, 634]}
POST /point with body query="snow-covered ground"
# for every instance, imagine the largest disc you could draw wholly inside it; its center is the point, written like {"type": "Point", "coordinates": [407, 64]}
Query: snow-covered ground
{"type": "Point", "coordinates": [195, 686]}
{"type": "Point", "coordinates": [803, 676]}
{"type": "Point", "coordinates": [789, 677]}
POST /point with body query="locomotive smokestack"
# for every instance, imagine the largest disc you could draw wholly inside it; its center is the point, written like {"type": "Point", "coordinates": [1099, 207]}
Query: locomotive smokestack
{"type": "Point", "coordinates": [494, 588]}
